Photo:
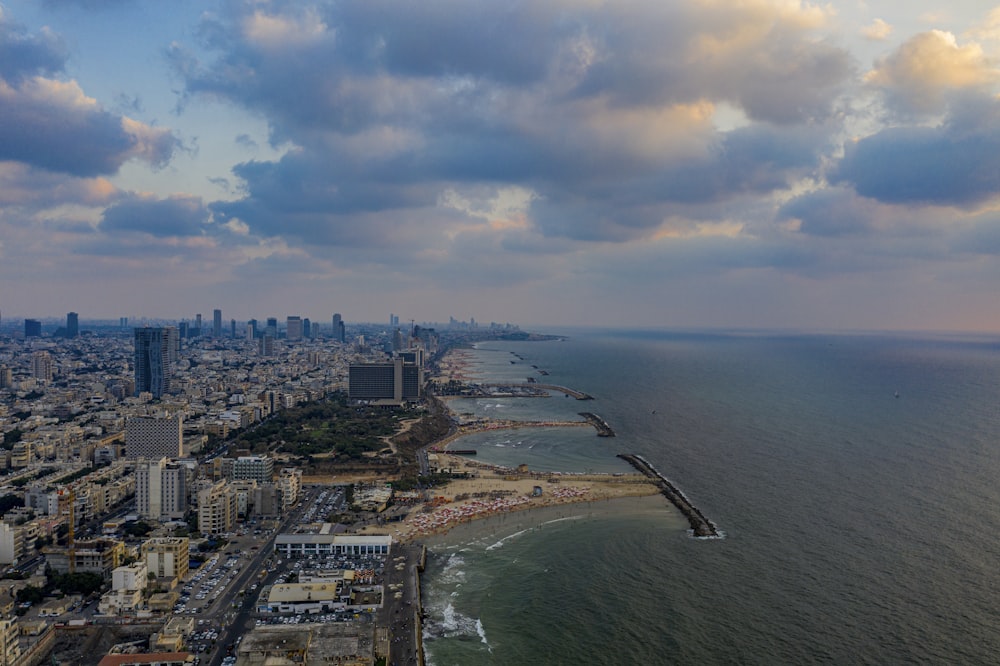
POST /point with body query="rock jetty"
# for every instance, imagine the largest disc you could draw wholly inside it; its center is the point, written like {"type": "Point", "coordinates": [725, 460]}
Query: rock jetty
{"type": "Point", "coordinates": [602, 427]}
{"type": "Point", "coordinates": [701, 526]}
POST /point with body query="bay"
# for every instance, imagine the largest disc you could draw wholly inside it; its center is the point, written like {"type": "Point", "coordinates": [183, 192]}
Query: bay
{"type": "Point", "coordinates": [861, 526]}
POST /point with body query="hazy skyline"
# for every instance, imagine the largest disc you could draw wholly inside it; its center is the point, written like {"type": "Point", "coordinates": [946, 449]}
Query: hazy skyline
{"type": "Point", "coordinates": [699, 163]}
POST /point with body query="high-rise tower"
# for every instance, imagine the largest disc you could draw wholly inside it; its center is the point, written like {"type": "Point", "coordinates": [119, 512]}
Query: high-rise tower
{"type": "Point", "coordinates": [217, 323]}
{"type": "Point", "coordinates": [338, 328]}
{"type": "Point", "coordinates": [72, 325]}
{"type": "Point", "coordinates": [152, 361]}
{"type": "Point", "coordinates": [293, 328]}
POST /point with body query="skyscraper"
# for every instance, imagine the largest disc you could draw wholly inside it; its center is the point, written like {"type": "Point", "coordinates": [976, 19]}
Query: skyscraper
{"type": "Point", "coordinates": [152, 361]}
{"type": "Point", "coordinates": [338, 328]}
{"type": "Point", "coordinates": [217, 323]}
{"type": "Point", "coordinates": [232, 328]}
{"type": "Point", "coordinates": [72, 325]}
{"type": "Point", "coordinates": [197, 325]}
{"type": "Point", "coordinates": [32, 328]}
{"type": "Point", "coordinates": [272, 327]}
{"type": "Point", "coordinates": [293, 328]}
{"type": "Point", "coordinates": [306, 328]}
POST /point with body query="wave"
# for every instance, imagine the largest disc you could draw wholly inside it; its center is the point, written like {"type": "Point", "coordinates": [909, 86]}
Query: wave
{"type": "Point", "coordinates": [501, 542]}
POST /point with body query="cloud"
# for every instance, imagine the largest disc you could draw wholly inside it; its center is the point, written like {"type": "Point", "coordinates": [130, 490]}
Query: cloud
{"type": "Point", "coordinates": [956, 163]}
{"type": "Point", "coordinates": [921, 74]}
{"type": "Point", "coordinates": [52, 124]}
{"type": "Point", "coordinates": [989, 30]}
{"type": "Point", "coordinates": [23, 55]}
{"type": "Point", "coordinates": [175, 216]}
{"type": "Point", "coordinates": [878, 31]}
{"type": "Point", "coordinates": [28, 188]}
{"type": "Point", "coordinates": [603, 113]}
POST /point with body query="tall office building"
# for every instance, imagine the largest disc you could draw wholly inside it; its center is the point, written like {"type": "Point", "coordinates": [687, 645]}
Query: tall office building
{"type": "Point", "coordinates": [306, 328]}
{"type": "Point", "coordinates": [72, 325]}
{"type": "Point", "coordinates": [265, 346]}
{"type": "Point", "coordinates": [173, 343]}
{"type": "Point", "coordinates": [123, 322]}
{"type": "Point", "coordinates": [147, 437]}
{"type": "Point", "coordinates": [232, 328]}
{"type": "Point", "coordinates": [251, 329]}
{"type": "Point", "coordinates": [338, 328]}
{"type": "Point", "coordinates": [293, 328]}
{"type": "Point", "coordinates": [185, 330]}
{"type": "Point", "coordinates": [152, 361]}
{"type": "Point", "coordinates": [395, 381]}
{"type": "Point", "coordinates": [32, 328]}
{"type": "Point", "coordinates": [217, 323]}
{"type": "Point", "coordinates": [272, 327]}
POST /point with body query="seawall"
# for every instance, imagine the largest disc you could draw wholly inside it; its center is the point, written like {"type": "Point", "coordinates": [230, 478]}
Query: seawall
{"type": "Point", "coordinates": [701, 526]}
{"type": "Point", "coordinates": [602, 427]}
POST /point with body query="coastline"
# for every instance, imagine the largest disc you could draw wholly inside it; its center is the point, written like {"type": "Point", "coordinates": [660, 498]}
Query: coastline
{"type": "Point", "coordinates": [536, 517]}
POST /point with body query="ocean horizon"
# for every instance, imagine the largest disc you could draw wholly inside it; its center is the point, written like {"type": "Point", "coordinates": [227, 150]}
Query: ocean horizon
{"type": "Point", "coordinates": [852, 475]}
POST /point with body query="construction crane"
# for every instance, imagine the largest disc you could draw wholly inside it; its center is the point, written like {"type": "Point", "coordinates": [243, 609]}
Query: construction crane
{"type": "Point", "coordinates": [70, 494]}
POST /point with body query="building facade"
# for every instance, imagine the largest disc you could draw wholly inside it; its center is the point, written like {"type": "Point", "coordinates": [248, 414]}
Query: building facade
{"type": "Point", "coordinates": [160, 489]}
{"type": "Point", "coordinates": [151, 437]}
{"type": "Point", "coordinates": [152, 361]}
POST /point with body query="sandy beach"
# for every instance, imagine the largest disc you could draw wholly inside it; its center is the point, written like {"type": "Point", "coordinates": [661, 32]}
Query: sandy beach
{"type": "Point", "coordinates": [492, 492]}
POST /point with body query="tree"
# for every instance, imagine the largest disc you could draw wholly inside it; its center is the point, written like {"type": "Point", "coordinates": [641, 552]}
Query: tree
{"type": "Point", "coordinates": [11, 437]}
{"type": "Point", "coordinates": [10, 501]}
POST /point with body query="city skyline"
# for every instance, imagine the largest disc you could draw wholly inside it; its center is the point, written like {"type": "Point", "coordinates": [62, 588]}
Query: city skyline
{"type": "Point", "coordinates": [765, 164]}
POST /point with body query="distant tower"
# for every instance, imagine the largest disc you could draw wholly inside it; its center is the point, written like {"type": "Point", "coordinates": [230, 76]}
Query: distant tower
{"type": "Point", "coordinates": [232, 328]}
{"type": "Point", "coordinates": [293, 328]}
{"type": "Point", "coordinates": [306, 328]}
{"type": "Point", "coordinates": [217, 323]}
{"type": "Point", "coordinates": [272, 327]}
{"type": "Point", "coordinates": [338, 328]}
{"type": "Point", "coordinates": [152, 361]}
{"type": "Point", "coordinates": [197, 324]}
{"type": "Point", "coordinates": [251, 329]}
{"type": "Point", "coordinates": [32, 328]}
{"type": "Point", "coordinates": [265, 346]}
{"type": "Point", "coordinates": [72, 325]}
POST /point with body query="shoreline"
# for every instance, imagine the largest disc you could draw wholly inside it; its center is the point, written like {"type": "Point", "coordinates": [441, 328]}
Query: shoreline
{"type": "Point", "coordinates": [539, 516]}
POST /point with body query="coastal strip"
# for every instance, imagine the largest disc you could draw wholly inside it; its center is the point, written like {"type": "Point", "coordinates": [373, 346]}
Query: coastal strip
{"type": "Point", "coordinates": [602, 427]}
{"type": "Point", "coordinates": [701, 526]}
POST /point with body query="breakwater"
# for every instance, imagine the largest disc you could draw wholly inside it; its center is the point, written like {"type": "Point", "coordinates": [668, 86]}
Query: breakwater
{"type": "Point", "coordinates": [701, 526]}
{"type": "Point", "coordinates": [573, 393]}
{"type": "Point", "coordinates": [602, 427]}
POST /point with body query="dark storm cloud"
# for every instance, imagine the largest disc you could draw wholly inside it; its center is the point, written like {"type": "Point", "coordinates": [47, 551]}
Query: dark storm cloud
{"type": "Point", "coordinates": [176, 216]}
{"type": "Point", "coordinates": [954, 164]}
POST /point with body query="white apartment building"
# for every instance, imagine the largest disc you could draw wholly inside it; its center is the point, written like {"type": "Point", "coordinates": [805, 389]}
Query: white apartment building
{"type": "Point", "coordinates": [160, 489]}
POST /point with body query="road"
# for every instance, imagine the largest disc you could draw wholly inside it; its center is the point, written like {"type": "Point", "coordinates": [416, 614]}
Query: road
{"type": "Point", "coordinates": [234, 622]}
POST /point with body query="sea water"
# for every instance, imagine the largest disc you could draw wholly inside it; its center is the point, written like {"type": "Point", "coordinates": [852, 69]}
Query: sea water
{"type": "Point", "coordinates": [855, 479]}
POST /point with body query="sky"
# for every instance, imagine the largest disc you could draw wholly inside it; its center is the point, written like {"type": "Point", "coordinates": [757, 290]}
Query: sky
{"type": "Point", "coordinates": [673, 163]}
